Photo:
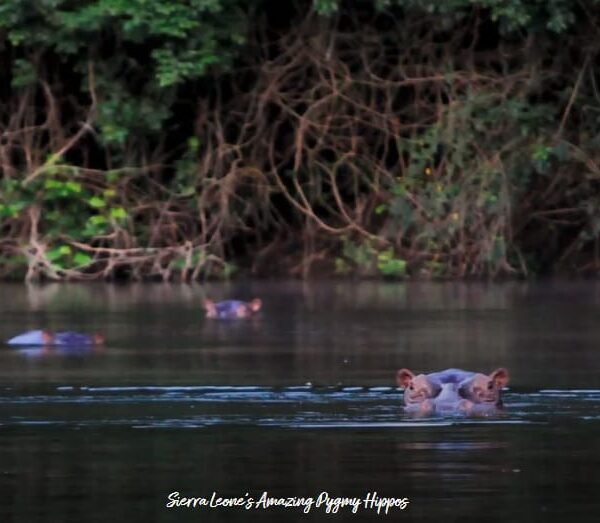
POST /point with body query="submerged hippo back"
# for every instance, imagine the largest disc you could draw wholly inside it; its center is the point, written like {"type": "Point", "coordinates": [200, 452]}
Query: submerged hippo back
{"type": "Point", "coordinates": [31, 338]}
{"type": "Point", "coordinates": [72, 339]}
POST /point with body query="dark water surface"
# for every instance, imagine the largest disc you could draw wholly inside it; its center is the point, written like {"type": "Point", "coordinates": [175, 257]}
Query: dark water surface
{"type": "Point", "coordinates": [299, 401]}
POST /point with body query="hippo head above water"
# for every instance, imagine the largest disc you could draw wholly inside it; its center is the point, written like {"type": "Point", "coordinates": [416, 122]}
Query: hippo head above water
{"type": "Point", "coordinates": [232, 309]}
{"type": "Point", "coordinates": [482, 388]}
{"type": "Point", "coordinates": [416, 388]}
{"type": "Point", "coordinates": [452, 391]}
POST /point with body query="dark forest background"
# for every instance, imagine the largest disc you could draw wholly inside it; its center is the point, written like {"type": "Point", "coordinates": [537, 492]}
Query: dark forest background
{"type": "Point", "coordinates": [185, 139]}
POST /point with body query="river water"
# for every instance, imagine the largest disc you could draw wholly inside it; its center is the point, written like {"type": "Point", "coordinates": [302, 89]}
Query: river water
{"type": "Point", "coordinates": [298, 402]}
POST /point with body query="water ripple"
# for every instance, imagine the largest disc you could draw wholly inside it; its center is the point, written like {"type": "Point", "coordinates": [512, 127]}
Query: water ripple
{"type": "Point", "coordinates": [293, 407]}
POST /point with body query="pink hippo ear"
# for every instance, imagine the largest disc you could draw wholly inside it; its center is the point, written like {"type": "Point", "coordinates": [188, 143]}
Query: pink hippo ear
{"type": "Point", "coordinates": [500, 378]}
{"type": "Point", "coordinates": [255, 305]}
{"type": "Point", "coordinates": [211, 309]}
{"type": "Point", "coordinates": [404, 377]}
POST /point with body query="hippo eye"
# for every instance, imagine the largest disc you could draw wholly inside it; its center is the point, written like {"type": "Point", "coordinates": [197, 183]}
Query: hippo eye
{"type": "Point", "coordinates": [490, 385]}
{"type": "Point", "coordinates": [411, 387]}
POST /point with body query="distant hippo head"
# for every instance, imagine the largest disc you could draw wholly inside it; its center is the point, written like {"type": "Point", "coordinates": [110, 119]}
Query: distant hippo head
{"type": "Point", "coordinates": [231, 309]}
{"type": "Point", "coordinates": [250, 308]}
{"type": "Point", "coordinates": [484, 389]}
{"type": "Point", "coordinates": [417, 389]}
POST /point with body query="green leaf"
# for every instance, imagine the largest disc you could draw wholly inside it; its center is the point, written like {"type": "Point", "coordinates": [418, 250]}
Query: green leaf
{"type": "Point", "coordinates": [52, 184]}
{"type": "Point", "coordinates": [113, 176]}
{"type": "Point", "coordinates": [229, 269]}
{"type": "Point", "coordinates": [399, 190]}
{"type": "Point", "coordinates": [381, 208]}
{"type": "Point", "coordinates": [341, 267]}
{"type": "Point", "coordinates": [118, 213]}
{"type": "Point", "coordinates": [74, 187]}
{"type": "Point", "coordinates": [58, 252]}
{"type": "Point", "coordinates": [97, 219]}
{"type": "Point", "coordinates": [193, 144]}
{"type": "Point", "coordinates": [97, 202]}
{"type": "Point", "coordinates": [392, 266]}
{"type": "Point", "coordinates": [24, 73]}
{"type": "Point", "coordinates": [81, 258]}
{"type": "Point", "coordinates": [52, 160]}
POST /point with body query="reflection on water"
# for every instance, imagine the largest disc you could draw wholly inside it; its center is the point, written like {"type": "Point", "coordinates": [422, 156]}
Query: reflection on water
{"type": "Point", "coordinates": [298, 401]}
{"type": "Point", "coordinates": [321, 333]}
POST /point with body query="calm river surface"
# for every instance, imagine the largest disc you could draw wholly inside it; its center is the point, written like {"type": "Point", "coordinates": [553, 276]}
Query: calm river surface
{"type": "Point", "coordinates": [298, 401]}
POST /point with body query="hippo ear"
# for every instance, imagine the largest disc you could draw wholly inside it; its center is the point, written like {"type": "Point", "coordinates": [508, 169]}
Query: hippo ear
{"type": "Point", "coordinates": [499, 377]}
{"type": "Point", "coordinates": [255, 305]}
{"type": "Point", "coordinates": [47, 338]}
{"type": "Point", "coordinates": [404, 377]}
{"type": "Point", "coordinates": [209, 305]}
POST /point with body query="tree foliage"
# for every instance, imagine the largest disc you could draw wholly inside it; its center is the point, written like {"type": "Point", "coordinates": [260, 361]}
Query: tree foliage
{"type": "Point", "coordinates": [162, 138]}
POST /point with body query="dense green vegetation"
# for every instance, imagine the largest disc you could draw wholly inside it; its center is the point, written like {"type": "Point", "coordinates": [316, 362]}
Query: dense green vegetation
{"type": "Point", "coordinates": [403, 138]}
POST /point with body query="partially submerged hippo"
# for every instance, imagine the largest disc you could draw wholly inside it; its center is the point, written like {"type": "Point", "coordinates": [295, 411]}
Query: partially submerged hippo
{"type": "Point", "coordinates": [231, 309]}
{"type": "Point", "coordinates": [56, 339]}
{"type": "Point", "coordinates": [452, 391]}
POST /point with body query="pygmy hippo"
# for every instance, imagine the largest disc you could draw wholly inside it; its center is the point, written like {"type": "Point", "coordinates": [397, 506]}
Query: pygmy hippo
{"type": "Point", "coordinates": [61, 339]}
{"type": "Point", "coordinates": [231, 309]}
{"type": "Point", "coordinates": [452, 391]}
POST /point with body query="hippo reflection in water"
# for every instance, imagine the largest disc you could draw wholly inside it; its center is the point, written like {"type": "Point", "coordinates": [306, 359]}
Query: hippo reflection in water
{"type": "Point", "coordinates": [56, 339]}
{"type": "Point", "coordinates": [231, 309]}
{"type": "Point", "coordinates": [452, 391]}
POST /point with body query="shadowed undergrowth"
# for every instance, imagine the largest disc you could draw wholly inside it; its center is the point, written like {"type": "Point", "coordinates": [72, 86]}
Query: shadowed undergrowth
{"type": "Point", "coordinates": [457, 141]}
